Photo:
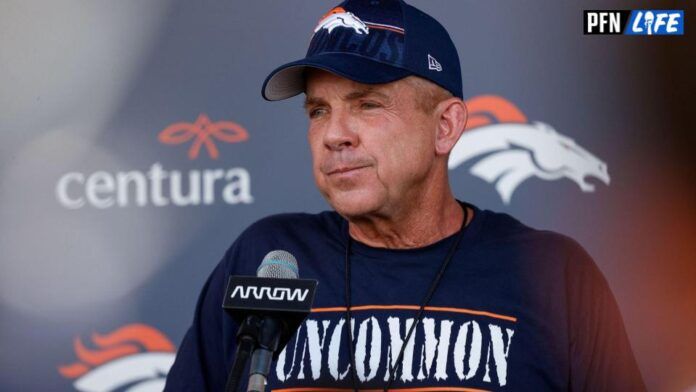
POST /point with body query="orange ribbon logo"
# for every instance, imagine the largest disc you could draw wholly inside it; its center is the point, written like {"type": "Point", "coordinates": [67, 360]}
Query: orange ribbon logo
{"type": "Point", "coordinates": [203, 132]}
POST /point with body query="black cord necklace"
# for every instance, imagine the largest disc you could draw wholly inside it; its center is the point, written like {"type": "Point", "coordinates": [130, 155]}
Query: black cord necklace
{"type": "Point", "coordinates": [431, 291]}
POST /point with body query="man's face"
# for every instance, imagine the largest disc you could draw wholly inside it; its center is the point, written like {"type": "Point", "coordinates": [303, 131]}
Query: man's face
{"type": "Point", "coordinates": [372, 145]}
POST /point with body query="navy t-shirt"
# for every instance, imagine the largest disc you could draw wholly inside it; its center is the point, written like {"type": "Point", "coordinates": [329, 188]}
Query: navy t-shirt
{"type": "Point", "coordinates": [517, 309]}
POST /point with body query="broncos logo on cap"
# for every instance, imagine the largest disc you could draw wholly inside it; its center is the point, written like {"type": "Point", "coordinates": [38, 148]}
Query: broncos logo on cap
{"type": "Point", "coordinates": [518, 150]}
{"type": "Point", "coordinates": [135, 357]}
{"type": "Point", "coordinates": [339, 17]}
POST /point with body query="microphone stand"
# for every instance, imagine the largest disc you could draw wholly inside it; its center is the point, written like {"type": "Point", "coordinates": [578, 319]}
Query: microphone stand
{"type": "Point", "coordinates": [247, 336]}
{"type": "Point", "coordinates": [268, 340]}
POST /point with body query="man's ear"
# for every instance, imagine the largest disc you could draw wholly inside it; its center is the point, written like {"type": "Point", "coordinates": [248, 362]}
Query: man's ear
{"type": "Point", "coordinates": [452, 116]}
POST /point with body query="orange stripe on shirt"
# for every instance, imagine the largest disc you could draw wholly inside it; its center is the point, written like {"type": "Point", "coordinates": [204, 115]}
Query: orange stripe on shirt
{"type": "Point", "coordinates": [415, 307]}
{"type": "Point", "coordinates": [425, 389]}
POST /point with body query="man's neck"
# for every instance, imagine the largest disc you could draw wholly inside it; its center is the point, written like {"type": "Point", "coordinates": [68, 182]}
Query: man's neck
{"type": "Point", "coordinates": [415, 228]}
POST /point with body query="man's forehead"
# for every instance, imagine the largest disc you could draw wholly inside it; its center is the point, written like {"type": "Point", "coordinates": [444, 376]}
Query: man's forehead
{"type": "Point", "coordinates": [320, 83]}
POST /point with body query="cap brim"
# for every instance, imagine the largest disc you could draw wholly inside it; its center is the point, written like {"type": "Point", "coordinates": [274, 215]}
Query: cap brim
{"type": "Point", "coordinates": [288, 80]}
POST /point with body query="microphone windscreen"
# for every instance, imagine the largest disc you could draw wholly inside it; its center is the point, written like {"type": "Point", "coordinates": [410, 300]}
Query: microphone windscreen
{"type": "Point", "coordinates": [278, 264]}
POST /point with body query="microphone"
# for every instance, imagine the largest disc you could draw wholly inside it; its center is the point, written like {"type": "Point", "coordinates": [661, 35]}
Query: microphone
{"type": "Point", "coordinates": [277, 264]}
{"type": "Point", "coordinates": [269, 308]}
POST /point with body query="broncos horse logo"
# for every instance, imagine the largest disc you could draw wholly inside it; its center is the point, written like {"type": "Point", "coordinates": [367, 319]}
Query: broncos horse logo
{"type": "Point", "coordinates": [517, 150]}
{"type": "Point", "coordinates": [132, 358]}
{"type": "Point", "coordinates": [339, 17]}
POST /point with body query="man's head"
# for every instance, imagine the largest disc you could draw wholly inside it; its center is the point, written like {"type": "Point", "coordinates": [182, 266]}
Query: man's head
{"type": "Point", "coordinates": [383, 95]}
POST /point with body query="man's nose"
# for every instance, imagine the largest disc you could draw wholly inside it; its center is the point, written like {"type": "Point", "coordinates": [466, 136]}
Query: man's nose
{"type": "Point", "coordinates": [341, 133]}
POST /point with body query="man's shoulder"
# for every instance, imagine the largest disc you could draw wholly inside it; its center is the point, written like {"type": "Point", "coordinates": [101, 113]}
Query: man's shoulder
{"type": "Point", "coordinates": [294, 223]}
{"type": "Point", "coordinates": [291, 232]}
{"type": "Point", "coordinates": [541, 255]}
{"type": "Point", "coordinates": [500, 228]}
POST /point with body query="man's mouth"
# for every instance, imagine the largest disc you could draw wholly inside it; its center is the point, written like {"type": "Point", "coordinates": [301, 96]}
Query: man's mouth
{"type": "Point", "coordinates": [345, 169]}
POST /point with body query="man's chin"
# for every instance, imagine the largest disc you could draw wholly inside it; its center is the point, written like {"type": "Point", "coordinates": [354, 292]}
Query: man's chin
{"type": "Point", "coordinates": [353, 204]}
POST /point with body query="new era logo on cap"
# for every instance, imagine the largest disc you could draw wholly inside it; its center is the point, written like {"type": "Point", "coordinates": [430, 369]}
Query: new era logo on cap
{"type": "Point", "coordinates": [433, 64]}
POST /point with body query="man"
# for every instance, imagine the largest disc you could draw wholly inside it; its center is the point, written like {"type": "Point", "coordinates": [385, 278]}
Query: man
{"type": "Point", "coordinates": [416, 289]}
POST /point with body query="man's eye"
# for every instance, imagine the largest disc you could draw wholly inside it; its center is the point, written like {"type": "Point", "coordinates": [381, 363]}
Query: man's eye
{"type": "Point", "coordinates": [369, 105]}
{"type": "Point", "coordinates": [316, 112]}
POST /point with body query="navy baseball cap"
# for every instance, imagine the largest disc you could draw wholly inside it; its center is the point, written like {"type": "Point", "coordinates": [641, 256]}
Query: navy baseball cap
{"type": "Point", "coordinates": [373, 41]}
